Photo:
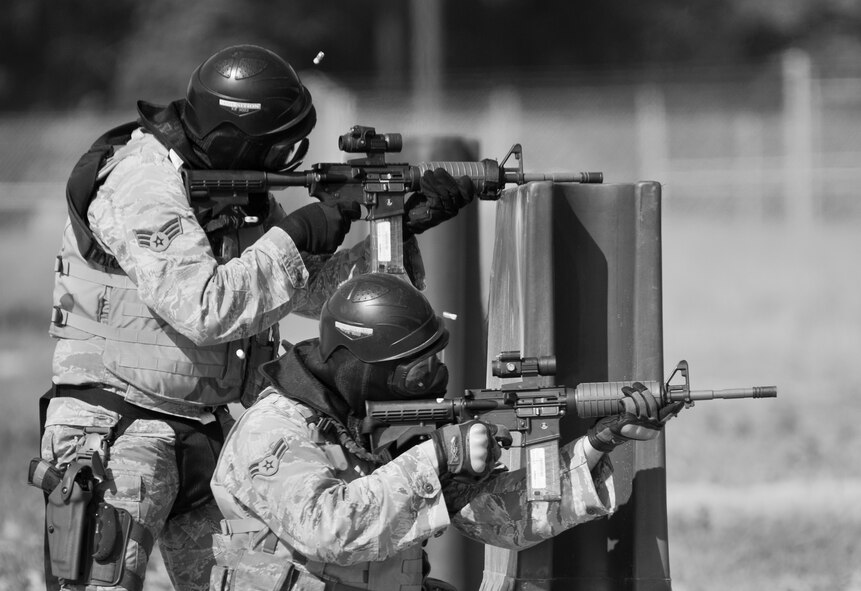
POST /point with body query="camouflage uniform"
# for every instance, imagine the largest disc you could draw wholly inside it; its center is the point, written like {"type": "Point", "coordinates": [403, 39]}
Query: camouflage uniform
{"type": "Point", "coordinates": [190, 304]}
{"type": "Point", "coordinates": [339, 516]}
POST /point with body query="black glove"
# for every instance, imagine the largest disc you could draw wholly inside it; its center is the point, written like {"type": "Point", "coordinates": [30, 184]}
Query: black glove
{"type": "Point", "coordinates": [468, 448]}
{"type": "Point", "coordinates": [439, 198]}
{"type": "Point", "coordinates": [320, 228]}
{"type": "Point", "coordinates": [642, 419]}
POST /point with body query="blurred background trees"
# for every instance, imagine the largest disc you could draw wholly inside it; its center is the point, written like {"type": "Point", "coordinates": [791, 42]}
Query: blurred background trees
{"type": "Point", "coordinates": [100, 54]}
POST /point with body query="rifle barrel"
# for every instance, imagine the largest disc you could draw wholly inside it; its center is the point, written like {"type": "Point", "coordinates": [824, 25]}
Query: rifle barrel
{"type": "Point", "coordinates": [753, 392]}
{"type": "Point", "coordinates": [556, 177]}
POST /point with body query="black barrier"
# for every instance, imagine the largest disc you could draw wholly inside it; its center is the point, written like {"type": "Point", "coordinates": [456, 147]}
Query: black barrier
{"type": "Point", "coordinates": [577, 274]}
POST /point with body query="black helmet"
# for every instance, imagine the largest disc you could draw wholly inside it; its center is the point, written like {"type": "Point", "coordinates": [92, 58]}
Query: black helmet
{"type": "Point", "coordinates": [247, 108]}
{"type": "Point", "coordinates": [378, 317]}
{"type": "Point", "coordinates": [385, 322]}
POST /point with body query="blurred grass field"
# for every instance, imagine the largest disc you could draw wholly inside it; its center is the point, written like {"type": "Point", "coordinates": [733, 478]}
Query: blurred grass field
{"type": "Point", "coordinates": [763, 494]}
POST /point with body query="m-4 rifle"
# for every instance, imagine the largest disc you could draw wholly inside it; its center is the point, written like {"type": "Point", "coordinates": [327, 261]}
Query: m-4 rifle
{"type": "Point", "coordinates": [371, 181]}
{"type": "Point", "coordinates": [530, 409]}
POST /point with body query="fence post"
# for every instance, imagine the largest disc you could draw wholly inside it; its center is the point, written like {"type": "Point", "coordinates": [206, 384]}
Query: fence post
{"type": "Point", "coordinates": [427, 41]}
{"type": "Point", "coordinates": [798, 138]}
{"type": "Point", "coordinates": [503, 120]}
{"type": "Point", "coordinates": [651, 121]}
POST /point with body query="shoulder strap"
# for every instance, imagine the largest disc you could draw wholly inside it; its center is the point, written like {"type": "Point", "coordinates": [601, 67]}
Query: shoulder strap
{"type": "Point", "coordinates": [82, 187]}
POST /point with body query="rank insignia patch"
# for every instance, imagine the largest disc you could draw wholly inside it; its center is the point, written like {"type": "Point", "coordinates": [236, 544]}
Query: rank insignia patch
{"type": "Point", "coordinates": [268, 464]}
{"type": "Point", "coordinates": [159, 240]}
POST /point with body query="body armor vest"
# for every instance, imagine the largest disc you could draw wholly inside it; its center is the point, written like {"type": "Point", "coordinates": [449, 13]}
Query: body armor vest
{"type": "Point", "coordinates": [140, 348]}
{"type": "Point", "coordinates": [93, 297]}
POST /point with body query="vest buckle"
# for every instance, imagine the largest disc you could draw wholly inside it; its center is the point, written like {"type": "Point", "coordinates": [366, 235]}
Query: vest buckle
{"type": "Point", "coordinates": [61, 266]}
{"type": "Point", "coordinates": [58, 316]}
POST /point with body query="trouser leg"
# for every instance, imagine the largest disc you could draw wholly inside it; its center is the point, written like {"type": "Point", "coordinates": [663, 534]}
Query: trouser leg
{"type": "Point", "coordinates": [186, 547]}
{"type": "Point", "coordinates": [141, 479]}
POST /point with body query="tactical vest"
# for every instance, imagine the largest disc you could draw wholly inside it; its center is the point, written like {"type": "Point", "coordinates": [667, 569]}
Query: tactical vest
{"type": "Point", "coordinates": [254, 557]}
{"type": "Point", "coordinates": [94, 297]}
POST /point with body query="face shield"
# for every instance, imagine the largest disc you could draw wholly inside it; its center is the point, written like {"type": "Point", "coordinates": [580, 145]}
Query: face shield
{"type": "Point", "coordinates": [229, 149]}
{"type": "Point", "coordinates": [285, 156]}
{"type": "Point", "coordinates": [423, 375]}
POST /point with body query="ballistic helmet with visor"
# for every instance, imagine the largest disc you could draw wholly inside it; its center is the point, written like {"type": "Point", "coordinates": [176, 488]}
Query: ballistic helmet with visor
{"type": "Point", "coordinates": [246, 108]}
{"type": "Point", "coordinates": [380, 318]}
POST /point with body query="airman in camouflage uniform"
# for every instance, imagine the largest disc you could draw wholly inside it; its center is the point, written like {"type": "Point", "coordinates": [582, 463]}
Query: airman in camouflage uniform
{"type": "Point", "coordinates": [171, 320]}
{"type": "Point", "coordinates": [308, 507]}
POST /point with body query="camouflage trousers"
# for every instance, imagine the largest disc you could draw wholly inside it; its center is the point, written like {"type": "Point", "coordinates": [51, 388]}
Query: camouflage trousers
{"type": "Point", "coordinates": [143, 479]}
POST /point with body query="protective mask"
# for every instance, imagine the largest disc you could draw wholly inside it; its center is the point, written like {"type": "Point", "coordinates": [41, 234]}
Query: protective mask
{"type": "Point", "coordinates": [285, 156]}
{"type": "Point", "coordinates": [424, 376]}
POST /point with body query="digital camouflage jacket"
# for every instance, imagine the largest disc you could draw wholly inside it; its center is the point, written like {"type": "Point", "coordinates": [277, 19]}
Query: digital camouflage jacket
{"type": "Point", "coordinates": [339, 517]}
{"type": "Point", "coordinates": [173, 328]}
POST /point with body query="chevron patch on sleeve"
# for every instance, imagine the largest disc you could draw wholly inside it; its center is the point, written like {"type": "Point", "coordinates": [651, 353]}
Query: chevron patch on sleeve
{"type": "Point", "coordinates": [159, 240]}
{"type": "Point", "coordinates": [268, 465]}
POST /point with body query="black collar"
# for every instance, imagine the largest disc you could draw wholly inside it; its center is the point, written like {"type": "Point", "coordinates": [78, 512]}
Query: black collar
{"type": "Point", "coordinates": [165, 123]}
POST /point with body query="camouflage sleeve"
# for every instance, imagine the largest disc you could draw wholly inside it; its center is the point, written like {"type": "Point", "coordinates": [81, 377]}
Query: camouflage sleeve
{"type": "Point", "coordinates": [324, 510]}
{"type": "Point", "coordinates": [498, 513]}
{"type": "Point", "coordinates": [141, 215]}
{"type": "Point", "coordinates": [325, 273]}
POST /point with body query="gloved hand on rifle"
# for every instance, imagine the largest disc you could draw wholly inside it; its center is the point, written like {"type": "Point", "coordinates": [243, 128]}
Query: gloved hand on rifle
{"type": "Point", "coordinates": [469, 449]}
{"type": "Point", "coordinates": [642, 419]}
{"type": "Point", "coordinates": [320, 228]}
{"type": "Point", "coordinates": [439, 198]}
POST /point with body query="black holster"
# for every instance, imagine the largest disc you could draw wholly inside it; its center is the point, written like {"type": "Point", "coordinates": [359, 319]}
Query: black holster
{"type": "Point", "coordinates": [67, 521]}
{"type": "Point", "coordinates": [86, 538]}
